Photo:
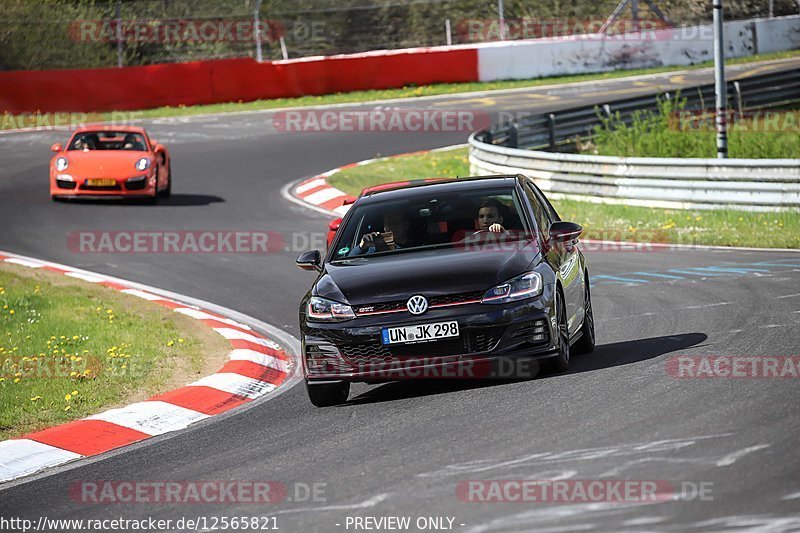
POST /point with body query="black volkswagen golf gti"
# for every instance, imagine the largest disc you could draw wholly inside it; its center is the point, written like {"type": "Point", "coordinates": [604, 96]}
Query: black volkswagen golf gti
{"type": "Point", "coordinates": [444, 279]}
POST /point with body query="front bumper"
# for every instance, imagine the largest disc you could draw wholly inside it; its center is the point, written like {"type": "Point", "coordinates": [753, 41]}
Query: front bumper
{"type": "Point", "coordinates": [133, 187]}
{"type": "Point", "coordinates": [495, 340]}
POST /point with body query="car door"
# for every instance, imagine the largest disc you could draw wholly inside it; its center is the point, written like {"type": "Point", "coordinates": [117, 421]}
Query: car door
{"type": "Point", "coordinates": [564, 258]}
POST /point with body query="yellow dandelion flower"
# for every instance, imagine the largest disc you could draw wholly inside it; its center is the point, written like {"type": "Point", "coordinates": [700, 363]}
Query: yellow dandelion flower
{"type": "Point", "coordinates": [73, 374]}
{"type": "Point", "coordinates": [75, 337]}
{"type": "Point", "coordinates": [16, 380]}
{"type": "Point", "coordinates": [67, 408]}
{"type": "Point", "coordinates": [74, 393]}
{"type": "Point", "coordinates": [10, 311]}
{"type": "Point", "coordinates": [68, 397]}
{"type": "Point", "coordinates": [170, 343]}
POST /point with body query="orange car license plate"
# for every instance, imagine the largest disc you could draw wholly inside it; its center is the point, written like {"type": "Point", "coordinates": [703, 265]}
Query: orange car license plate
{"type": "Point", "coordinates": [101, 182]}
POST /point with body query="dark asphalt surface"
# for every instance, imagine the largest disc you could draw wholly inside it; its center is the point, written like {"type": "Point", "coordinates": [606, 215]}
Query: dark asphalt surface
{"type": "Point", "coordinates": [400, 449]}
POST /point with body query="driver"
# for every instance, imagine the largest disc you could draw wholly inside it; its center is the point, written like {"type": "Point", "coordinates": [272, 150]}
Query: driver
{"type": "Point", "coordinates": [82, 143]}
{"type": "Point", "coordinates": [490, 216]}
{"type": "Point", "coordinates": [394, 221]}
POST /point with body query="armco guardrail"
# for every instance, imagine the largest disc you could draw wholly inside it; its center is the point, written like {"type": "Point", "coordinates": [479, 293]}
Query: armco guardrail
{"type": "Point", "coordinates": [752, 184]}
{"type": "Point", "coordinates": [762, 185]}
{"type": "Point", "coordinates": [554, 130]}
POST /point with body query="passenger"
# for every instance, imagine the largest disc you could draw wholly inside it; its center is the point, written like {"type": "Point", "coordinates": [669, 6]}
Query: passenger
{"type": "Point", "coordinates": [394, 221]}
{"type": "Point", "coordinates": [490, 216]}
{"type": "Point", "coordinates": [131, 143]}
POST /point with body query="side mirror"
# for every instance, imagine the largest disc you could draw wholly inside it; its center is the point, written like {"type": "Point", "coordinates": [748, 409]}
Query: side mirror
{"type": "Point", "coordinates": [56, 147]}
{"type": "Point", "coordinates": [310, 260]}
{"type": "Point", "coordinates": [335, 223]}
{"type": "Point", "coordinates": [564, 232]}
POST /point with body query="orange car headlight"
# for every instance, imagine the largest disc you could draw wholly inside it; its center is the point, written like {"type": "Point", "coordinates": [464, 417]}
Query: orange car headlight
{"type": "Point", "coordinates": [143, 164]}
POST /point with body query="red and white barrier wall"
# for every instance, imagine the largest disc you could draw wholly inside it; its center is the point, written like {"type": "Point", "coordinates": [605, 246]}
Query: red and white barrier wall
{"type": "Point", "coordinates": [581, 54]}
{"type": "Point", "coordinates": [207, 82]}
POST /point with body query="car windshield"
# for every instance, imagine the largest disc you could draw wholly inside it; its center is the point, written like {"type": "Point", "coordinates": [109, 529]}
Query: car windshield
{"type": "Point", "coordinates": [429, 221]}
{"type": "Point", "coordinates": [108, 140]}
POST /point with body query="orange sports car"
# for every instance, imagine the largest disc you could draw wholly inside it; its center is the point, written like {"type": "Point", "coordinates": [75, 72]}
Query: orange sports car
{"type": "Point", "coordinates": [110, 162]}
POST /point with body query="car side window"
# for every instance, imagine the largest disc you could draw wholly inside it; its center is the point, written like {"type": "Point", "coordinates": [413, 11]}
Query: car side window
{"type": "Point", "coordinates": [540, 212]}
{"type": "Point", "coordinates": [553, 215]}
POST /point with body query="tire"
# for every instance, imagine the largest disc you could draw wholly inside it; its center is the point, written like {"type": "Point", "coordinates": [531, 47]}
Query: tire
{"type": "Point", "coordinates": [560, 361]}
{"type": "Point", "coordinates": [328, 394]}
{"type": "Point", "coordinates": [156, 194]}
{"type": "Point", "coordinates": [166, 193]}
{"type": "Point", "coordinates": [586, 343]}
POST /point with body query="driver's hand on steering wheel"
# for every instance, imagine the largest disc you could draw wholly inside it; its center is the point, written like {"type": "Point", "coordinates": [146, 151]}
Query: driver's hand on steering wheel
{"type": "Point", "coordinates": [368, 240]}
{"type": "Point", "coordinates": [496, 228]}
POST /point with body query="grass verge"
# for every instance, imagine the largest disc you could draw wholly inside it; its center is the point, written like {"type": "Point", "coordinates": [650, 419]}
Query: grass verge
{"type": "Point", "coordinates": [69, 349]}
{"type": "Point", "coordinates": [9, 121]}
{"type": "Point", "coordinates": [674, 132]}
{"type": "Point", "coordinates": [719, 227]}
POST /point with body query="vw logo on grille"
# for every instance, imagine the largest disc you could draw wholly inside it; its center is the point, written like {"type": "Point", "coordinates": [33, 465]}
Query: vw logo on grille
{"type": "Point", "coordinates": [417, 304]}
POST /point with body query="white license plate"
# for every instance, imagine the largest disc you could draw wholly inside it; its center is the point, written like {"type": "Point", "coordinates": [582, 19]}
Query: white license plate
{"type": "Point", "coordinates": [419, 333]}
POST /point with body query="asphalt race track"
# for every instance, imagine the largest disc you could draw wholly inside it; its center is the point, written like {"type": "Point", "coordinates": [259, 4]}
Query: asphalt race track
{"type": "Point", "coordinates": [400, 449]}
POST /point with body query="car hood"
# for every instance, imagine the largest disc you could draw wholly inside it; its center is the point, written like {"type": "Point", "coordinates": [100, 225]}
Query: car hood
{"type": "Point", "coordinates": [431, 273]}
{"type": "Point", "coordinates": [103, 163]}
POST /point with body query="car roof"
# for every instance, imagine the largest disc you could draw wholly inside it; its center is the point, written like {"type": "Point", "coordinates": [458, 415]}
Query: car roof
{"type": "Point", "coordinates": [104, 127]}
{"type": "Point", "coordinates": [420, 187]}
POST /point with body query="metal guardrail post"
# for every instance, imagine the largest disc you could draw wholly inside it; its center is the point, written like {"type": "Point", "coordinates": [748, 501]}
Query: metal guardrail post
{"type": "Point", "coordinates": [737, 90]}
{"type": "Point", "coordinates": [513, 135]}
{"type": "Point", "coordinates": [551, 130]}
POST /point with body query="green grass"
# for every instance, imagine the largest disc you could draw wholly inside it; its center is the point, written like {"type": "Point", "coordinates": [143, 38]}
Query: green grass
{"type": "Point", "coordinates": [69, 348]}
{"type": "Point", "coordinates": [8, 121]}
{"type": "Point", "coordinates": [673, 132]}
{"type": "Point", "coordinates": [723, 227]}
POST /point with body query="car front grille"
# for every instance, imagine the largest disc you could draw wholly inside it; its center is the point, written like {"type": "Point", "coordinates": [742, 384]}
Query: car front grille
{"type": "Point", "coordinates": [375, 353]}
{"type": "Point", "coordinates": [434, 301]}
{"type": "Point", "coordinates": [86, 187]}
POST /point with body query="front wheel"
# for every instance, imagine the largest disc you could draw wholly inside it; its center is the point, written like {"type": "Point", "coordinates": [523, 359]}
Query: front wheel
{"type": "Point", "coordinates": [586, 343]}
{"type": "Point", "coordinates": [167, 192]}
{"type": "Point", "coordinates": [560, 361]}
{"type": "Point", "coordinates": [328, 394]}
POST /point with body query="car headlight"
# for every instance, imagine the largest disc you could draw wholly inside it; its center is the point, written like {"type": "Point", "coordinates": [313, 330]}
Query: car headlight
{"type": "Point", "coordinates": [143, 164]}
{"type": "Point", "coordinates": [62, 163]}
{"type": "Point", "coordinates": [324, 310]}
{"type": "Point", "coordinates": [524, 286]}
